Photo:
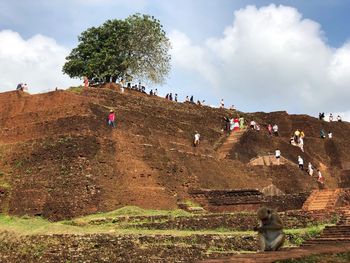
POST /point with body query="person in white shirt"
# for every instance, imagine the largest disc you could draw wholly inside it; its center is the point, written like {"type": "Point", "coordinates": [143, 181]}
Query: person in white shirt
{"type": "Point", "coordinates": [330, 135]}
{"type": "Point", "coordinates": [278, 156]}
{"type": "Point", "coordinates": [301, 144]}
{"type": "Point", "coordinates": [25, 87]}
{"type": "Point", "coordinates": [253, 125]}
{"type": "Point", "coordinates": [275, 130]}
{"type": "Point", "coordinates": [300, 162]}
{"type": "Point", "coordinates": [310, 169]}
{"type": "Point", "coordinates": [222, 103]}
{"type": "Point", "coordinates": [330, 117]}
{"type": "Point", "coordinates": [196, 139]}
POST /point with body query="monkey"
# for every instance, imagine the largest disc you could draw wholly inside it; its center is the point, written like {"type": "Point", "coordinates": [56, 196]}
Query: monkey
{"type": "Point", "coordinates": [271, 236]}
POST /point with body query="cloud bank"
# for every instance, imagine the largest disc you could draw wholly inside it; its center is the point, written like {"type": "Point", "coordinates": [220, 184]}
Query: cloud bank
{"type": "Point", "coordinates": [36, 61]}
{"type": "Point", "coordinates": [271, 58]}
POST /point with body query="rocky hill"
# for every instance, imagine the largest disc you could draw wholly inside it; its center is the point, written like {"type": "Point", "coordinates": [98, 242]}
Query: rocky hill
{"type": "Point", "coordinates": [59, 159]}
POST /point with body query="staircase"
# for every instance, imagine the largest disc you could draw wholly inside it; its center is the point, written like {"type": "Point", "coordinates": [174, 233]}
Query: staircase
{"type": "Point", "coordinates": [334, 234]}
{"type": "Point", "coordinates": [225, 148]}
{"type": "Point", "coordinates": [322, 199]}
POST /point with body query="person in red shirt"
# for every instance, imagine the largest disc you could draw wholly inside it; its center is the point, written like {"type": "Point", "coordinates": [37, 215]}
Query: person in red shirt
{"type": "Point", "coordinates": [111, 118]}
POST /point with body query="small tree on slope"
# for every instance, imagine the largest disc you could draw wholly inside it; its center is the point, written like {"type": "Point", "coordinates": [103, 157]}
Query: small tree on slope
{"type": "Point", "coordinates": [136, 47]}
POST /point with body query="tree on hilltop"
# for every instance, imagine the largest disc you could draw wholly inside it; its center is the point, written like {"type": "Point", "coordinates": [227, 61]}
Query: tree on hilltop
{"type": "Point", "coordinates": [136, 47]}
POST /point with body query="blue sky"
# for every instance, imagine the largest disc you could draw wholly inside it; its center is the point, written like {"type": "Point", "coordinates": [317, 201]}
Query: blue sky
{"type": "Point", "coordinates": [207, 62]}
{"type": "Point", "coordinates": [65, 20]}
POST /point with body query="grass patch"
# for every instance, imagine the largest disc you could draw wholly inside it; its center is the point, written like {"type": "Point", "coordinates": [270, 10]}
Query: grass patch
{"type": "Point", "coordinates": [4, 184]}
{"type": "Point", "coordinates": [190, 203]}
{"type": "Point", "coordinates": [297, 236]}
{"type": "Point", "coordinates": [76, 90]}
{"type": "Point", "coordinates": [132, 211]}
{"type": "Point", "coordinates": [36, 225]}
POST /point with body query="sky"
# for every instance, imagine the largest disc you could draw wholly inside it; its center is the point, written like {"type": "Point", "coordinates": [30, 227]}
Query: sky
{"type": "Point", "coordinates": [257, 55]}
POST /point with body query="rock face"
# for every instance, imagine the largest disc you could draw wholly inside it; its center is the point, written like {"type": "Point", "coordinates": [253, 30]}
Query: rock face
{"type": "Point", "coordinates": [59, 159]}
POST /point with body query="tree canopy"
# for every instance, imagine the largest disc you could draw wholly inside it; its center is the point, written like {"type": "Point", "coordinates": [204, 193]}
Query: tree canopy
{"type": "Point", "coordinates": [136, 47]}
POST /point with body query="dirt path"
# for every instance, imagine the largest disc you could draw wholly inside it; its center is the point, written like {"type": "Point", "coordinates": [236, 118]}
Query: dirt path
{"type": "Point", "coordinates": [225, 148]}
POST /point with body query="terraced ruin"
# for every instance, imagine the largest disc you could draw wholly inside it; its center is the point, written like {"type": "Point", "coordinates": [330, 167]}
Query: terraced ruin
{"type": "Point", "coordinates": [143, 193]}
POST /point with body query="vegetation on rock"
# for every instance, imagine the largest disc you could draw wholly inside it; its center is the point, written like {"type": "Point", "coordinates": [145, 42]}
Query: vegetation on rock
{"type": "Point", "coordinates": [136, 47]}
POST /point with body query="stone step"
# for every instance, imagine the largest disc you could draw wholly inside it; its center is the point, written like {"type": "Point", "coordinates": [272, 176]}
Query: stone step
{"type": "Point", "coordinates": [225, 148]}
{"type": "Point", "coordinates": [336, 230]}
{"type": "Point", "coordinates": [321, 199]}
{"type": "Point", "coordinates": [326, 240]}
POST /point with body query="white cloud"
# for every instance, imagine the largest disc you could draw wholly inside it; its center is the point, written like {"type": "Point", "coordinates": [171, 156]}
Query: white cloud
{"type": "Point", "coordinates": [273, 58]}
{"type": "Point", "coordinates": [133, 3]}
{"type": "Point", "coordinates": [191, 57]}
{"type": "Point", "coordinates": [37, 61]}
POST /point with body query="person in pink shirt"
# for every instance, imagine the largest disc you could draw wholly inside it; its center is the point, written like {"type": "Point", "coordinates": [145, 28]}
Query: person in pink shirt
{"type": "Point", "coordinates": [111, 118]}
{"type": "Point", "coordinates": [269, 128]}
{"type": "Point", "coordinates": [86, 82]}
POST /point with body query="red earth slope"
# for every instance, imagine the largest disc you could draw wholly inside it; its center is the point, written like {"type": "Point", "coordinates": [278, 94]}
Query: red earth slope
{"type": "Point", "coordinates": [59, 159]}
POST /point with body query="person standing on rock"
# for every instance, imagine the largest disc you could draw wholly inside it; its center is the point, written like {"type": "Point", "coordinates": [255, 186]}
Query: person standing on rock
{"type": "Point", "coordinates": [269, 129]}
{"type": "Point", "coordinates": [86, 82]}
{"type": "Point", "coordinates": [236, 124]}
{"type": "Point", "coordinates": [20, 86]}
{"type": "Point", "coordinates": [275, 129]}
{"type": "Point", "coordinates": [241, 123]}
{"type": "Point", "coordinates": [301, 144]}
{"type": "Point", "coordinates": [322, 134]}
{"type": "Point", "coordinates": [330, 135]}
{"type": "Point", "coordinates": [222, 105]}
{"type": "Point", "coordinates": [227, 123]}
{"type": "Point", "coordinates": [330, 117]}
{"type": "Point", "coordinates": [278, 156]}
{"type": "Point", "coordinates": [310, 169]}
{"type": "Point", "coordinates": [300, 163]}
{"type": "Point", "coordinates": [196, 139]}
{"type": "Point", "coordinates": [320, 178]}
{"type": "Point", "coordinates": [252, 125]}
{"type": "Point", "coordinates": [111, 118]}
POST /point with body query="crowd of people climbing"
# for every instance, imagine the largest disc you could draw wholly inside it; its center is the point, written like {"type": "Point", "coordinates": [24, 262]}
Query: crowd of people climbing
{"type": "Point", "coordinates": [297, 139]}
{"type": "Point", "coordinates": [322, 117]}
{"type": "Point", "coordinates": [235, 123]}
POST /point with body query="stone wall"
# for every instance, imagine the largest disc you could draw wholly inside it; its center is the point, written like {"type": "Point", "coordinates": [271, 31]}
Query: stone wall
{"type": "Point", "coordinates": [286, 202]}
{"type": "Point", "coordinates": [234, 222]}
{"type": "Point", "coordinates": [246, 200]}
